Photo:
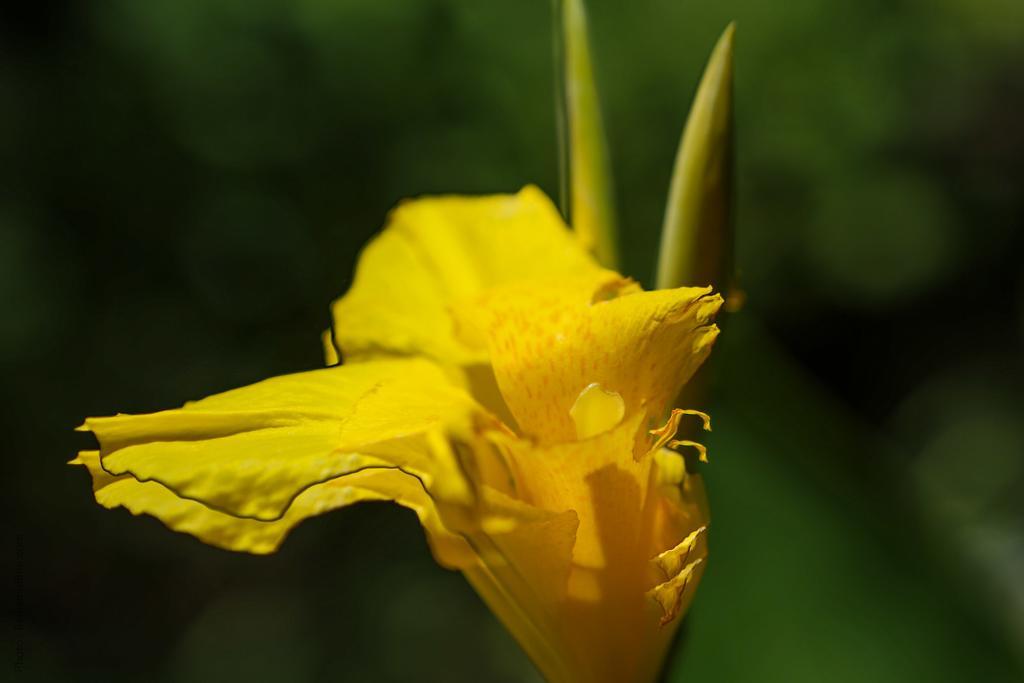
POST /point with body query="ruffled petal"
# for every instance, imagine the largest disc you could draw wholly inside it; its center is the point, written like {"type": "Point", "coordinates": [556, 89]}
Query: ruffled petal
{"type": "Point", "coordinates": [438, 251]}
{"type": "Point", "coordinates": [249, 452]}
{"type": "Point", "coordinates": [240, 469]}
{"type": "Point", "coordinates": [254, 536]}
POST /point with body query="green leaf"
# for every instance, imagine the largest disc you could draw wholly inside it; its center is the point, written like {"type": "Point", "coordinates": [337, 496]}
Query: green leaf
{"type": "Point", "coordinates": [696, 238]}
{"type": "Point", "coordinates": [585, 149]}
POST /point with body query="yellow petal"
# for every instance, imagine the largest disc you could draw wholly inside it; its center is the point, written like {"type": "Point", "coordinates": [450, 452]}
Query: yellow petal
{"type": "Point", "coordinates": [538, 640]}
{"type": "Point", "coordinates": [675, 560]}
{"type": "Point", "coordinates": [598, 478]}
{"type": "Point", "coordinates": [249, 452]}
{"type": "Point", "coordinates": [675, 595]}
{"type": "Point", "coordinates": [255, 536]}
{"type": "Point", "coordinates": [628, 515]}
{"type": "Point", "coordinates": [522, 574]}
{"type": "Point", "coordinates": [438, 251]}
{"type": "Point", "coordinates": [550, 340]}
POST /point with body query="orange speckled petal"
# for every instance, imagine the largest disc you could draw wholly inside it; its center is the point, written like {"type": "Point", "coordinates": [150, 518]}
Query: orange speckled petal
{"type": "Point", "coordinates": [550, 340]}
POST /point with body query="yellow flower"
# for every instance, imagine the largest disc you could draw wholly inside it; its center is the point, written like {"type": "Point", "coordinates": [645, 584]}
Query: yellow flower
{"type": "Point", "coordinates": [502, 385]}
{"type": "Point", "coordinates": [499, 383]}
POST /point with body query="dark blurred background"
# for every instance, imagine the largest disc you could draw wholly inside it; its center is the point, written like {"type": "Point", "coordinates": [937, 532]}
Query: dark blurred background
{"type": "Point", "coordinates": [186, 185]}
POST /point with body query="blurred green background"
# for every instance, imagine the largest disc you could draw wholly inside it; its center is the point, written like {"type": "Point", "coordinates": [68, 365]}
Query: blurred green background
{"type": "Point", "coordinates": [186, 185]}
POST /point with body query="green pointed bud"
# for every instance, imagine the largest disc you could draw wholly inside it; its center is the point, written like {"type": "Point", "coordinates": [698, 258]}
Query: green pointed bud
{"type": "Point", "coordinates": [591, 201]}
{"type": "Point", "coordinates": [696, 238]}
